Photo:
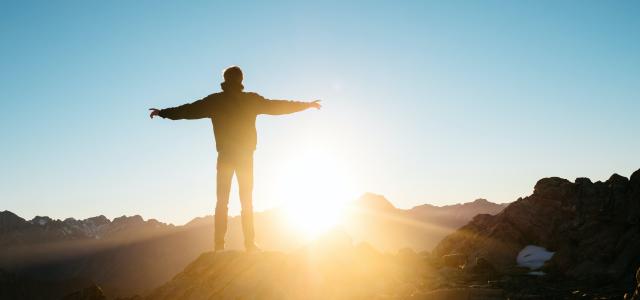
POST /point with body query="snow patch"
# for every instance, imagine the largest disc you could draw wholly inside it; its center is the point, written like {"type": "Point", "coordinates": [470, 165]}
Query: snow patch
{"type": "Point", "coordinates": [533, 257]}
{"type": "Point", "coordinates": [536, 273]}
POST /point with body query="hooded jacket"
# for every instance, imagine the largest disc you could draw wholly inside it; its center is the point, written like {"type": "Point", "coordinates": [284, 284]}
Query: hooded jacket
{"type": "Point", "coordinates": [233, 115]}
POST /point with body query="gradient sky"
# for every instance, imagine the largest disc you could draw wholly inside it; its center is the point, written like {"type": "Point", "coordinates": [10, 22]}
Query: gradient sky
{"type": "Point", "coordinates": [438, 102]}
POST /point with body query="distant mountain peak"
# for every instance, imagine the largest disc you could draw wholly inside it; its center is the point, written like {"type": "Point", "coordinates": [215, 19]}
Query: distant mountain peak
{"type": "Point", "coordinates": [374, 202]}
{"type": "Point", "coordinates": [10, 221]}
{"type": "Point", "coordinates": [40, 220]}
{"type": "Point", "coordinates": [8, 215]}
{"type": "Point", "coordinates": [133, 220]}
{"type": "Point", "coordinates": [101, 219]}
{"type": "Point", "coordinates": [480, 202]}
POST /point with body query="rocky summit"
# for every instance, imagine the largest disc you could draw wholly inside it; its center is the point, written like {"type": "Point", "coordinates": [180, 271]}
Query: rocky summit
{"type": "Point", "coordinates": [331, 268]}
{"type": "Point", "coordinates": [592, 229]}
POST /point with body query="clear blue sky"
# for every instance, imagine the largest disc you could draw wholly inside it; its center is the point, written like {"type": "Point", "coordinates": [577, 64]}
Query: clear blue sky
{"type": "Point", "coordinates": [438, 102]}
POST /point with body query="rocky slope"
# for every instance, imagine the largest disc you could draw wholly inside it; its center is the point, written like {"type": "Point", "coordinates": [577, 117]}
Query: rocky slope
{"type": "Point", "coordinates": [332, 268]}
{"type": "Point", "coordinates": [593, 229]}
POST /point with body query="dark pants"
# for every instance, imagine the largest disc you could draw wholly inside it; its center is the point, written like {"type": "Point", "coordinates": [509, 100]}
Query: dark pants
{"type": "Point", "coordinates": [240, 162]}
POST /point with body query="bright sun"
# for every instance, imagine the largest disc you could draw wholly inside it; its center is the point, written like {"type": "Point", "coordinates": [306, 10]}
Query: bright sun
{"type": "Point", "coordinates": [314, 188]}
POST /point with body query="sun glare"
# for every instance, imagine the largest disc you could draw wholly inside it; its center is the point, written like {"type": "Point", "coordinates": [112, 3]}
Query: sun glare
{"type": "Point", "coordinates": [314, 188]}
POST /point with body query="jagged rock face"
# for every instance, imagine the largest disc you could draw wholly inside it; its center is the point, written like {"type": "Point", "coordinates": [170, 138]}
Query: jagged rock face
{"type": "Point", "coordinates": [594, 228]}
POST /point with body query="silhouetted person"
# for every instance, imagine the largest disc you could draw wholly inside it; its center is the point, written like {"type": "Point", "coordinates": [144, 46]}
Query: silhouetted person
{"type": "Point", "coordinates": [233, 114]}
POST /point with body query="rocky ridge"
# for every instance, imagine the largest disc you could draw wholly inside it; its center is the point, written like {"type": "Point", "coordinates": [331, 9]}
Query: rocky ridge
{"type": "Point", "coordinates": [593, 228]}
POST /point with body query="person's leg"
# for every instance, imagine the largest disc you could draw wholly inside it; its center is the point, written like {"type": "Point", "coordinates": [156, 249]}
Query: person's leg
{"type": "Point", "coordinates": [244, 173]}
{"type": "Point", "coordinates": [225, 168]}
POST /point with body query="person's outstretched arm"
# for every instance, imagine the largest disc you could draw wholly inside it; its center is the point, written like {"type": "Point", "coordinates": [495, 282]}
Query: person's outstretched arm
{"type": "Point", "coordinates": [281, 107]}
{"type": "Point", "coordinates": [202, 108]}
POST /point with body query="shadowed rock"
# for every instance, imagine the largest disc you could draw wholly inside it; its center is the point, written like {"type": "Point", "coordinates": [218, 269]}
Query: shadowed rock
{"type": "Point", "coordinates": [593, 229]}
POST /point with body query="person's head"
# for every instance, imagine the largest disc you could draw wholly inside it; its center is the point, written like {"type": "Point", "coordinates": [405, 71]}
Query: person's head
{"type": "Point", "coordinates": [232, 74]}
{"type": "Point", "coordinates": [232, 79]}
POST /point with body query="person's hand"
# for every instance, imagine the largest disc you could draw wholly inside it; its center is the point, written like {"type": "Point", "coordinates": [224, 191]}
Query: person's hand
{"type": "Point", "coordinates": [315, 104]}
{"type": "Point", "coordinates": [154, 112]}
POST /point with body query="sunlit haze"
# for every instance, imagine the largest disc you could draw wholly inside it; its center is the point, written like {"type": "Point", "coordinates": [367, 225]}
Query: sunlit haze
{"type": "Point", "coordinates": [315, 187]}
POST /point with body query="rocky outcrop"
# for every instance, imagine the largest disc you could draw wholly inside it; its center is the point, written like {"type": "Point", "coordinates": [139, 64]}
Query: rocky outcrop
{"type": "Point", "coordinates": [593, 228]}
{"type": "Point", "coordinates": [332, 268]}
